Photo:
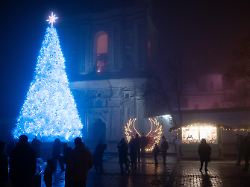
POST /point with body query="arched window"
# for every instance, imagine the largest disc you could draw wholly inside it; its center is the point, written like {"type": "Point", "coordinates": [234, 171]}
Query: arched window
{"type": "Point", "coordinates": [101, 51]}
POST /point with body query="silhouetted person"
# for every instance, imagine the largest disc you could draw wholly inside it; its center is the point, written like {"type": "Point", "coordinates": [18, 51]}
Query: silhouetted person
{"type": "Point", "coordinates": [246, 151]}
{"type": "Point", "coordinates": [164, 149]}
{"type": "Point", "coordinates": [240, 148]}
{"type": "Point", "coordinates": [67, 151]}
{"type": "Point", "coordinates": [56, 153]}
{"type": "Point", "coordinates": [123, 155]}
{"type": "Point", "coordinates": [156, 151]}
{"type": "Point", "coordinates": [80, 163]}
{"type": "Point", "coordinates": [98, 157]}
{"type": "Point", "coordinates": [36, 146]}
{"type": "Point", "coordinates": [138, 147]}
{"type": "Point", "coordinates": [48, 173]}
{"type": "Point", "coordinates": [143, 144]}
{"type": "Point", "coordinates": [204, 151]}
{"type": "Point", "coordinates": [96, 136]}
{"type": "Point", "coordinates": [10, 146]}
{"type": "Point", "coordinates": [22, 163]}
{"type": "Point", "coordinates": [133, 154]}
{"type": "Point", "coordinates": [3, 166]}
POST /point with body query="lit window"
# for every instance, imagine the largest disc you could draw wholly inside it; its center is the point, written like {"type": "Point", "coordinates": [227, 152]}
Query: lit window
{"type": "Point", "coordinates": [101, 40]}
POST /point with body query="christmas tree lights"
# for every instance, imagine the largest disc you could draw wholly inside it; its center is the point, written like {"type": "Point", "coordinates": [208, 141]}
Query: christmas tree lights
{"type": "Point", "coordinates": [49, 110]}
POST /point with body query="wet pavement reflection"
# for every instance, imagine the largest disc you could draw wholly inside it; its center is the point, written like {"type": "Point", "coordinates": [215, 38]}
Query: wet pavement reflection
{"type": "Point", "coordinates": [183, 173]}
{"type": "Point", "coordinates": [220, 174]}
{"type": "Point", "coordinates": [145, 175]}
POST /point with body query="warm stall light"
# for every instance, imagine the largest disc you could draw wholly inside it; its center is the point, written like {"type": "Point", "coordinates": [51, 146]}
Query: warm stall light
{"type": "Point", "coordinates": [195, 132]}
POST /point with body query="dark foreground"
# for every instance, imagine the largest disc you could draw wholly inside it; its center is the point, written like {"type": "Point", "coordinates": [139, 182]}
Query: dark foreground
{"type": "Point", "coordinates": [183, 173]}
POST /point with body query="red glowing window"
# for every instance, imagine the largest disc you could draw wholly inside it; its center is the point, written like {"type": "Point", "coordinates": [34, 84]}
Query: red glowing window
{"type": "Point", "coordinates": [101, 51]}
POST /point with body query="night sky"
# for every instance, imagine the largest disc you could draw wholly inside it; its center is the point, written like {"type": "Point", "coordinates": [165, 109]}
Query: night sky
{"type": "Point", "coordinates": [201, 34]}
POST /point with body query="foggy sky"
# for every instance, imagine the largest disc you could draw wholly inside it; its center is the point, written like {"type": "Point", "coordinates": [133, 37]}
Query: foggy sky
{"type": "Point", "coordinates": [203, 33]}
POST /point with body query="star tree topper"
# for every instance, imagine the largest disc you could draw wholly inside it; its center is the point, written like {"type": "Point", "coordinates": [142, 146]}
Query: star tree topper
{"type": "Point", "coordinates": [52, 19]}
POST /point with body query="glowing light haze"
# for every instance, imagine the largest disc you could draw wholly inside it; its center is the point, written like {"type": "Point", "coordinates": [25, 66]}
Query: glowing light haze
{"type": "Point", "coordinates": [49, 110]}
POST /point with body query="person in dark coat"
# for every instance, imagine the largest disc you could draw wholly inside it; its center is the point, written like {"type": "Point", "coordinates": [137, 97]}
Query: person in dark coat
{"type": "Point", "coordinates": [133, 153]}
{"type": "Point", "coordinates": [36, 146]}
{"type": "Point", "coordinates": [240, 148]}
{"type": "Point", "coordinates": [138, 147]}
{"type": "Point", "coordinates": [204, 151]}
{"type": "Point", "coordinates": [57, 153]}
{"type": "Point", "coordinates": [143, 144]}
{"type": "Point", "coordinates": [67, 151]}
{"type": "Point", "coordinates": [3, 165]}
{"type": "Point", "coordinates": [123, 155]}
{"type": "Point", "coordinates": [164, 149]}
{"type": "Point", "coordinates": [156, 151]}
{"type": "Point", "coordinates": [246, 151]}
{"type": "Point", "coordinates": [98, 157]}
{"type": "Point", "coordinates": [80, 162]}
{"type": "Point", "coordinates": [22, 164]}
{"type": "Point", "coordinates": [10, 146]}
{"type": "Point", "coordinates": [48, 173]}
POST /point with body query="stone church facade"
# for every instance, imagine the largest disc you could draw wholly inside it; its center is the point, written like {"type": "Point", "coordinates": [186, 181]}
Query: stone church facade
{"type": "Point", "coordinates": [109, 51]}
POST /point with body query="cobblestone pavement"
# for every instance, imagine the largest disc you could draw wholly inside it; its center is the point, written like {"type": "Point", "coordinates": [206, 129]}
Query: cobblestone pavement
{"type": "Point", "coordinates": [146, 175]}
{"type": "Point", "coordinates": [220, 174]}
{"type": "Point", "coordinates": [174, 174]}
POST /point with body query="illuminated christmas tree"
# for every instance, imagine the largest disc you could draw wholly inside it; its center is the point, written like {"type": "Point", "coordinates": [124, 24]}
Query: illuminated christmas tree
{"type": "Point", "coordinates": [49, 110]}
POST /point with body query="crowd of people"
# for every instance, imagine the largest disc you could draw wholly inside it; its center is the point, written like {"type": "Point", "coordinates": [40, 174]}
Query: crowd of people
{"type": "Point", "coordinates": [18, 161]}
{"type": "Point", "coordinates": [19, 166]}
{"type": "Point", "coordinates": [130, 154]}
